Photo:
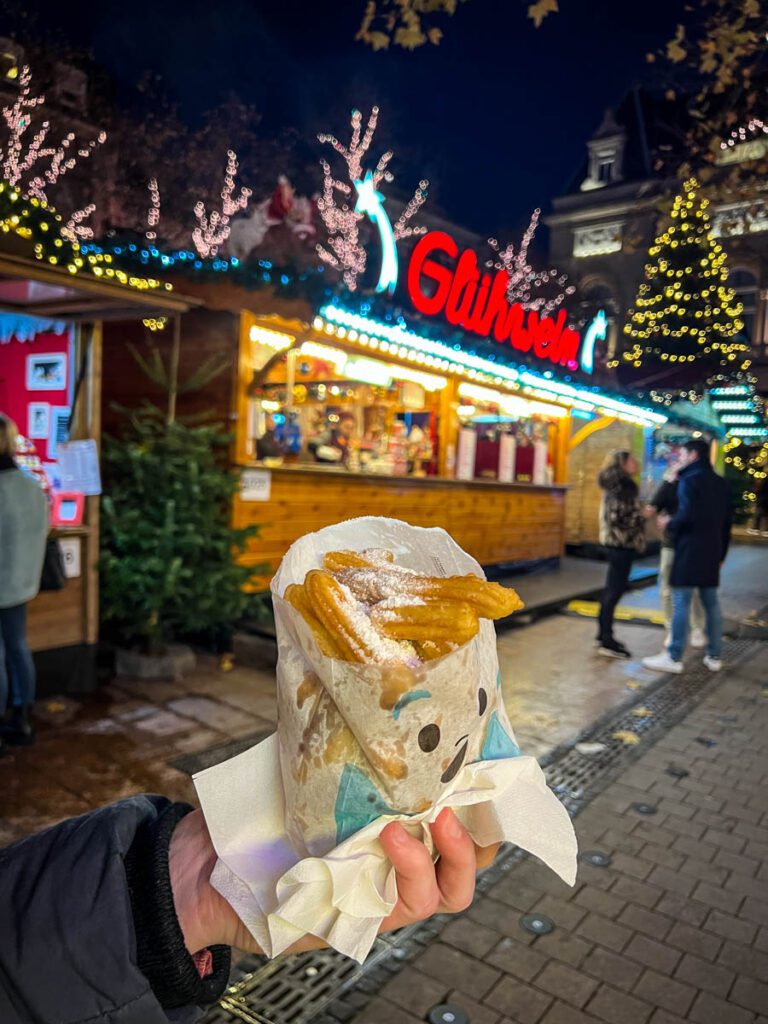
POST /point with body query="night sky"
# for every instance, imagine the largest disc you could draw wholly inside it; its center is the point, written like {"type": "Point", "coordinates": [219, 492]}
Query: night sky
{"type": "Point", "coordinates": [496, 116]}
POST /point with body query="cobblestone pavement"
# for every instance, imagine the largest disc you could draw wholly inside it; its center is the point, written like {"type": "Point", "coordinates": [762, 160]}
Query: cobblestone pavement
{"type": "Point", "coordinates": [675, 929]}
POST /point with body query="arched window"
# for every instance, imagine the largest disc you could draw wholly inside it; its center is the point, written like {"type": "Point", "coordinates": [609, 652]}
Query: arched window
{"type": "Point", "coordinates": [597, 295]}
{"type": "Point", "coordinates": [744, 282]}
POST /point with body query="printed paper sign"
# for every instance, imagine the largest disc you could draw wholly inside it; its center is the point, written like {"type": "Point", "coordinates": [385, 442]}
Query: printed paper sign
{"type": "Point", "coordinates": [79, 466]}
{"type": "Point", "coordinates": [255, 484]}
{"type": "Point", "coordinates": [70, 550]}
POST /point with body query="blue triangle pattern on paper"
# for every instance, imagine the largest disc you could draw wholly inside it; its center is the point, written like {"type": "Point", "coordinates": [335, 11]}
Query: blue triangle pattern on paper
{"type": "Point", "coordinates": [498, 743]}
{"type": "Point", "coordinates": [358, 803]}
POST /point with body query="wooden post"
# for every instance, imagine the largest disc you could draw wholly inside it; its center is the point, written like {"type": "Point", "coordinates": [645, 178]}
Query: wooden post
{"type": "Point", "coordinates": [173, 373]}
{"type": "Point", "coordinates": [92, 428]}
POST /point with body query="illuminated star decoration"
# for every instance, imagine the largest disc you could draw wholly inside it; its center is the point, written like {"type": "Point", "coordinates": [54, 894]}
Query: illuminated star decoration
{"type": "Point", "coordinates": [343, 249]}
{"type": "Point", "coordinates": [541, 290]}
{"type": "Point", "coordinates": [370, 202]}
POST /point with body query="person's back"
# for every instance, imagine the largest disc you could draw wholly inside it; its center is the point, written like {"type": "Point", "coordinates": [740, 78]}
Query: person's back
{"type": "Point", "coordinates": [701, 526]}
{"type": "Point", "coordinates": [23, 528]}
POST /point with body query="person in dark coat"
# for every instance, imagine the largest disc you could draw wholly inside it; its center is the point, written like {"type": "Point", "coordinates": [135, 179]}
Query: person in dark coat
{"type": "Point", "coordinates": [110, 918]}
{"type": "Point", "coordinates": [622, 534]}
{"type": "Point", "coordinates": [760, 520]}
{"type": "Point", "coordinates": [701, 533]}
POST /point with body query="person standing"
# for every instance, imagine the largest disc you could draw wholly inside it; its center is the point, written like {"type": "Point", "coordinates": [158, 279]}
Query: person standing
{"type": "Point", "coordinates": [622, 534]}
{"type": "Point", "coordinates": [23, 533]}
{"type": "Point", "coordinates": [760, 521]}
{"type": "Point", "coordinates": [701, 532]}
{"type": "Point", "coordinates": [664, 503]}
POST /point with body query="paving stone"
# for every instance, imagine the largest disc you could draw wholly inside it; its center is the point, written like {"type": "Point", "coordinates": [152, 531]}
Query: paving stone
{"type": "Point", "coordinates": [563, 946]}
{"type": "Point", "coordinates": [565, 915]}
{"type": "Point", "coordinates": [671, 881]}
{"type": "Point", "coordinates": [499, 917]}
{"type": "Point", "coordinates": [605, 903]}
{"type": "Point", "coordinates": [694, 848]}
{"type": "Point", "coordinates": [693, 940]}
{"type": "Point", "coordinates": [415, 991]}
{"type": "Point", "coordinates": [475, 939]}
{"type": "Point", "coordinates": [515, 958]}
{"type": "Point", "coordinates": [616, 1007]}
{"type": "Point", "coordinates": [515, 893]}
{"type": "Point", "coordinates": [381, 1011]}
{"type": "Point", "coordinates": [681, 909]}
{"type": "Point", "coordinates": [659, 990]}
{"type": "Point", "coordinates": [730, 927]}
{"type": "Point", "coordinates": [703, 871]}
{"type": "Point", "coordinates": [613, 840]}
{"type": "Point", "coordinates": [477, 1012]}
{"type": "Point", "coordinates": [634, 891]}
{"type": "Point", "coordinates": [562, 1013]}
{"type": "Point", "coordinates": [646, 921]}
{"type": "Point", "coordinates": [563, 982]}
{"type": "Point", "coordinates": [231, 721]}
{"type": "Point", "coordinates": [617, 970]}
{"type": "Point", "coordinates": [704, 975]}
{"type": "Point", "coordinates": [719, 898]}
{"type": "Point", "coordinates": [661, 855]}
{"type": "Point", "coordinates": [708, 1009]}
{"type": "Point", "coordinates": [604, 932]}
{"type": "Point", "coordinates": [737, 862]}
{"type": "Point", "coordinates": [656, 834]}
{"type": "Point", "coordinates": [511, 996]}
{"type": "Point", "coordinates": [744, 960]}
{"type": "Point", "coordinates": [662, 1017]}
{"type": "Point", "coordinates": [755, 911]}
{"type": "Point", "coordinates": [457, 969]}
{"type": "Point", "coordinates": [653, 954]}
{"type": "Point", "coordinates": [750, 993]}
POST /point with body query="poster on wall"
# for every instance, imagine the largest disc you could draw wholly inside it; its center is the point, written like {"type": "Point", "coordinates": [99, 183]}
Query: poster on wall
{"type": "Point", "coordinates": [46, 372]}
{"type": "Point", "coordinates": [59, 429]}
{"type": "Point", "coordinates": [79, 466]}
{"type": "Point", "coordinates": [38, 420]}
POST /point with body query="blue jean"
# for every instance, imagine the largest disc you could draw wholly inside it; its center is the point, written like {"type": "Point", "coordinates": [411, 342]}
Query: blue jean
{"type": "Point", "coordinates": [681, 611]}
{"type": "Point", "coordinates": [15, 658]}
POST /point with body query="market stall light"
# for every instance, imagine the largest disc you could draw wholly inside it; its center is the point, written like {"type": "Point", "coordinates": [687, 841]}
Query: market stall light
{"type": "Point", "coordinates": [325, 353]}
{"type": "Point", "coordinates": [273, 339]}
{"type": "Point", "coordinates": [269, 406]}
{"type": "Point", "coordinates": [428, 381]}
{"type": "Point", "coordinates": [369, 371]}
{"type": "Point", "coordinates": [466, 410]}
{"type": "Point", "coordinates": [514, 405]}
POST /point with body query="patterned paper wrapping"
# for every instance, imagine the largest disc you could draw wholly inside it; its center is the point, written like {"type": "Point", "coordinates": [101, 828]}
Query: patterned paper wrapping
{"type": "Point", "coordinates": [349, 734]}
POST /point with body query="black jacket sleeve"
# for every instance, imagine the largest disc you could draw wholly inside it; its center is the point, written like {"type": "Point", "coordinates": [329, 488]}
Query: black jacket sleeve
{"type": "Point", "coordinates": [684, 518]}
{"type": "Point", "coordinates": [665, 498]}
{"type": "Point", "coordinates": [727, 520]}
{"type": "Point", "coordinates": [88, 930]}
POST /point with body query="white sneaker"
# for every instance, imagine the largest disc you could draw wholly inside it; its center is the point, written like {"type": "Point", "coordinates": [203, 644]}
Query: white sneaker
{"type": "Point", "coordinates": [713, 664]}
{"type": "Point", "coordinates": [698, 638]}
{"type": "Point", "coordinates": [663, 662]}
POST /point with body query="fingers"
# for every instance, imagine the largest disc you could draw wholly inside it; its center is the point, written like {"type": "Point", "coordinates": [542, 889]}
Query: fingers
{"type": "Point", "coordinates": [457, 866]}
{"type": "Point", "coordinates": [417, 890]}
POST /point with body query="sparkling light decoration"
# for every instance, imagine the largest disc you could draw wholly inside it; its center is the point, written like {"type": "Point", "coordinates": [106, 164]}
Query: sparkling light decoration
{"type": "Point", "coordinates": [343, 250]}
{"type": "Point", "coordinates": [153, 213]}
{"type": "Point", "coordinates": [75, 228]}
{"type": "Point", "coordinates": [742, 134]}
{"type": "Point", "coordinates": [684, 309]}
{"type": "Point", "coordinates": [16, 163]}
{"type": "Point", "coordinates": [213, 228]}
{"type": "Point", "coordinates": [534, 289]}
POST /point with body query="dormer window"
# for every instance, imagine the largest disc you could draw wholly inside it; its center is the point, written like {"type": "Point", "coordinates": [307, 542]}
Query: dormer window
{"type": "Point", "coordinates": [606, 154]}
{"type": "Point", "coordinates": [71, 87]}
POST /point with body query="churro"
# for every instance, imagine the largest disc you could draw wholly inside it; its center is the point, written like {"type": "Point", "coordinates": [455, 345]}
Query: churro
{"type": "Point", "coordinates": [363, 607]}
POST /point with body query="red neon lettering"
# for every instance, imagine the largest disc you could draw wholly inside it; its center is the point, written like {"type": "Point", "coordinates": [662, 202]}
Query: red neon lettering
{"type": "Point", "coordinates": [435, 241]}
{"type": "Point", "coordinates": [479, 303]}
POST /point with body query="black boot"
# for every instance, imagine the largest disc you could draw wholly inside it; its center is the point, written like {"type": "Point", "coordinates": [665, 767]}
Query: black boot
{"type": "Point", "coordinates": [17, 730]}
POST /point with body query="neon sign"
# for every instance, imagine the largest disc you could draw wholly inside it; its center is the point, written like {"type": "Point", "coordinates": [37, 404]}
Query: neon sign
{"type": "Point", "coordinates": [596, 331]}
{"type": "Point", "coordinates": [477, 301]}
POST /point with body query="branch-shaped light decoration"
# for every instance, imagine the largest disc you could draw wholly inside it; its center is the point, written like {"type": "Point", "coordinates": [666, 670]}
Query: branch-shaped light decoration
{"type": "Point", "coordinates": [343, 250]}
{"type": "Point", "coordinates": [16, 163]}
{"type": "Point", "coordinates": [533, 289]}
{"type": "Point", "coordinates": [213, 228]}
{"type": "Point", "coordinates": [753, 127]}
{"type": "Point", "coordinates": [153, 213]}
{"type": "Point", "coordinates": [75, 229]}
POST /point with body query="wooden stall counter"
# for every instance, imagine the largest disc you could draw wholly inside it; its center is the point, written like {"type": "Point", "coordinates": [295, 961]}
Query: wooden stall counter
{"type": "Point", "coordinates": [496, 523]}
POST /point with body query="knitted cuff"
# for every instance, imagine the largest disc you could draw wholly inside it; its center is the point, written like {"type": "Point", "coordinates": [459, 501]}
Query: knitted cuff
{"type": "Point", "coordinates": [161, 954]}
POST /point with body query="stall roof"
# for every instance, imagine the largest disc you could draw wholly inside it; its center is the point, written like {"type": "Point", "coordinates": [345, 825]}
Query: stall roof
{"type": "Point", "coordinates": [29, 287]}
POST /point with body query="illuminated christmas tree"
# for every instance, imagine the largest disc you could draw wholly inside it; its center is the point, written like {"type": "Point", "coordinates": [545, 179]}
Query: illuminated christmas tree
{"type": "Point", "coordinates": [685, 323]}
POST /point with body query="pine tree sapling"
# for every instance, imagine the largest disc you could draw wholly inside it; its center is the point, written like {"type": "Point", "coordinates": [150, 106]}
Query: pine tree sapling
{"type": "Point", "coordinates": [168, 557]}
{"type": "Point", "coordinates": [684, 311]}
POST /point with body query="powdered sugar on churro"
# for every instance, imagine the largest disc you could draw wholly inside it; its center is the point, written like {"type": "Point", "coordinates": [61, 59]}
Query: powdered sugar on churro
{"type": "Point", "coordinates": [383, 649]}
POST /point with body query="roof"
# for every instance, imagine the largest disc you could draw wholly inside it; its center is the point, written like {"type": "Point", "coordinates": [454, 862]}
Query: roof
{"type": "Point", "coordinates": [654, 126]}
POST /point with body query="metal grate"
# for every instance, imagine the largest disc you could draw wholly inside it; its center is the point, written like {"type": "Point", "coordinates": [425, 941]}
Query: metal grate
{"type": "Point", "coordinates": [328, 988]}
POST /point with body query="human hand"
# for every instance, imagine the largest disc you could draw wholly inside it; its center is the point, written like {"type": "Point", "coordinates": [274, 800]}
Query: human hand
{"type": "Point", "coordinates": [662, 521]}
{"type": "Point", "coordinates": [423, 887]}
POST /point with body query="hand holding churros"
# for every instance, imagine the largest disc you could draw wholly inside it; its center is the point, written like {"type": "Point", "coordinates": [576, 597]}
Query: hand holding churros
{"type": "Point", "coordinates": [363, 607]}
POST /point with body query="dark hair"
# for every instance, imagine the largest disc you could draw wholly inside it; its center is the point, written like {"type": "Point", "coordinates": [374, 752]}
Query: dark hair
{"type": "Point", "coordinates": [699, 446]}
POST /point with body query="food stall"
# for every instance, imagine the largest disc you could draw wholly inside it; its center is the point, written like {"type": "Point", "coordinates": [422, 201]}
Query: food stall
{"type": "Point", "coordinates": [51, 366]}
{"type": "Point", "coordinates": [345, 416]}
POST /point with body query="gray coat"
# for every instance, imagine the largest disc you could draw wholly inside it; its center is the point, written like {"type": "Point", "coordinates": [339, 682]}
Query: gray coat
{"type": "Point", "coordinates": [23, 532]}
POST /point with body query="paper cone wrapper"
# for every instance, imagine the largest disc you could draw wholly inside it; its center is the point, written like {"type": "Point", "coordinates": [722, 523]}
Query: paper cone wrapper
{"type": "Point", "coordinates": [295, 820]}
